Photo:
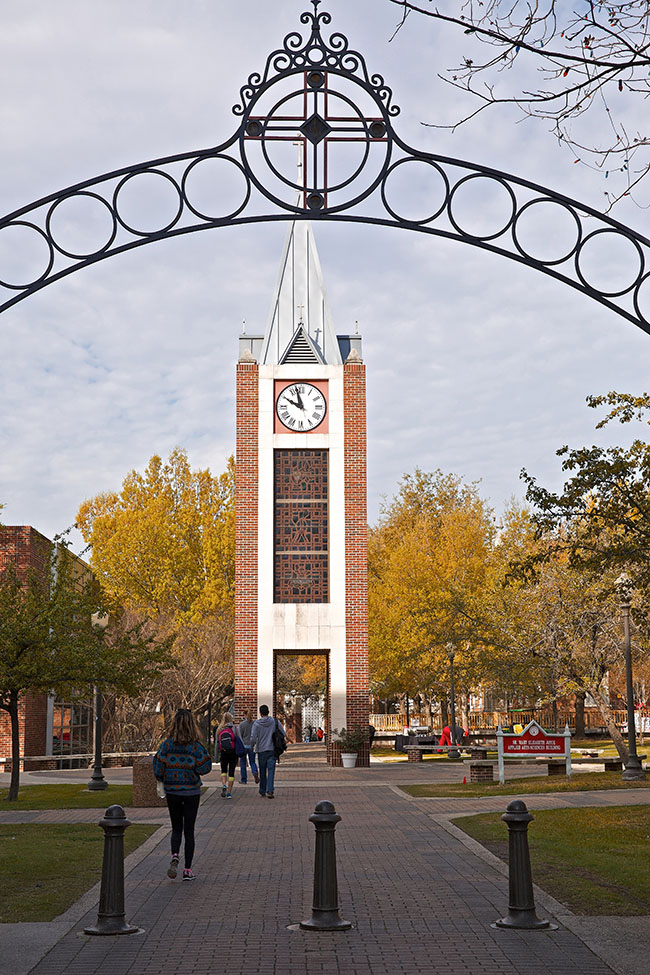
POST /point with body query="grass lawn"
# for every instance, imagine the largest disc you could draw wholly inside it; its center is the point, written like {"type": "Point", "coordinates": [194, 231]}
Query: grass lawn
{"type": "Point", "coordinates": [66, 796]}
{"type": "Point", "coordinates": [382, 752]}
{"type": "Point", "coordinates": [595, 861]}
{"type": "Point", "coordinates": [45, 869]}
{"type": "Point", "coordinates": [579, 782]}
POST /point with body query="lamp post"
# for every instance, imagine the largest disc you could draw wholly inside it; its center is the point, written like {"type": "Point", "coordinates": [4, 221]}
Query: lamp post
{"type": "Point", "coordinates": [633, 768]}
{"type": "Point", "coordinates": [97, 782]}
{"type": "Point", "coordinates": [452, 702]}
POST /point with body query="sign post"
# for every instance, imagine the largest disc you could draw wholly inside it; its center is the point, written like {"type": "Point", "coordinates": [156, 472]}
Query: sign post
{"type": "Point", "coordinates": [533, 742]}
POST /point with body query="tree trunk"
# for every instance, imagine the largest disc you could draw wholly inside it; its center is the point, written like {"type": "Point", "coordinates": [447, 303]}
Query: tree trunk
{"type": "Point", "coordinates": [15, 748]}
{"type": "Point", "coordinates": [615, 734]}
{"type": "Point", "coordinates": [555, 718]}
{"type": "Point", "coordinates": [464, 710]}
{"type": "Point", "coordinates": [580, 714]}
{"type": "Point", "coordinates": [444, 711]}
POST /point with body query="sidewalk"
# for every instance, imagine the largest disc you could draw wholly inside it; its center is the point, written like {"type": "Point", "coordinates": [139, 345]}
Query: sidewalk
{"type": "Point", "coordinates": [420, 894]}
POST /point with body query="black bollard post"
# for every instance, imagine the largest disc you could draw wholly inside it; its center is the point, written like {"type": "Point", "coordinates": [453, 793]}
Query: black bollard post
{"type": "Point", "coordinates": [325, 912]}
{"type": "Point", "coordinates": [110, 918]}
{"type": "Point", "coordinates": [521, 907]}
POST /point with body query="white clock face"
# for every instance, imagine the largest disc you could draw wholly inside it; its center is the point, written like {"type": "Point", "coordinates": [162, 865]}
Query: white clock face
{"type": "Point", "coordinates": [301, 407]}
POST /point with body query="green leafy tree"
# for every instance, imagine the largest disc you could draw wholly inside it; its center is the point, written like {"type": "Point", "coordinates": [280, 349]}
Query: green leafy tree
{"type": "Point", "coordinates": [50, 644]}
{"type": "Point", "coordinates": [605, 502]}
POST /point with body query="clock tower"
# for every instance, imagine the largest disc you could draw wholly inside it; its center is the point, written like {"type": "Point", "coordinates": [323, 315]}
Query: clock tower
{"type": "Point", "coordinates": [301, 553]}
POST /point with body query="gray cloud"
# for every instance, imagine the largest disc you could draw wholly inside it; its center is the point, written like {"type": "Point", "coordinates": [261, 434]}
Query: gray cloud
{"type": "Point", "coordinates": [475, 365]}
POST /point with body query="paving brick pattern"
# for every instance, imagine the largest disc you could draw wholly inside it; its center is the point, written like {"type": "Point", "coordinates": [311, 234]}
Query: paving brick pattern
{"type": "Point", "coordinates": [420, 901]}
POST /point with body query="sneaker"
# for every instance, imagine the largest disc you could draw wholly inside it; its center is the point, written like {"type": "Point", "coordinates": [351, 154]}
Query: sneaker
{"type": "Point", "coordinates": [269, 795]}
{"type": "Point", "coordinates": [188, 875]}
{"type": "Point", "coordinates": [228, 795]}
{"type": "Point", "coordinates": [243, 781]}
{"type": "Point", "coordinates": [172, 870]}
{"type": "Point", "coordinates": [262, 795]}
{"type": "Point", "coordinates": [256, 777]}
{"type": "Point", "coordinates": [223, 792]}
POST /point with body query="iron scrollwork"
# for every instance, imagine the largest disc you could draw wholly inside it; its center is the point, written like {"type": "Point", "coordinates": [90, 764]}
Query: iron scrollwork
{"type": "Point", "coordinates": [318, 94]}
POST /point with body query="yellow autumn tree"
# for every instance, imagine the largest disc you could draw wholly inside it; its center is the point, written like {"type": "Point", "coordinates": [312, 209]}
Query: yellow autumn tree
{"type": "Point", "coordinates": [164, 548]}
{"type": "Point", "coordinates": [428, 563]}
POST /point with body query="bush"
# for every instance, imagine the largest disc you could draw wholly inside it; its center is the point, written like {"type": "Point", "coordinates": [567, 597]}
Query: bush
{"type": "Point", "coordinates": [353, 740]}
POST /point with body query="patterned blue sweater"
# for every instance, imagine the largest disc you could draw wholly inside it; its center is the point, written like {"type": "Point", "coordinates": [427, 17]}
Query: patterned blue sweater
{"type": "Point", "coordinates": [179, 767]}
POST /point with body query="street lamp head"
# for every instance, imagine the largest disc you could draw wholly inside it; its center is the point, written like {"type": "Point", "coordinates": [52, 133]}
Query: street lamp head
{"type": "Point", "coordinates": [624, 589]}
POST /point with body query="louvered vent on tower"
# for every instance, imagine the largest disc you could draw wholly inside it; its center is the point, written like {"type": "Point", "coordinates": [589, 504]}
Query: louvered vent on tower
{"type": "Point", "coordinates": [300, 350]}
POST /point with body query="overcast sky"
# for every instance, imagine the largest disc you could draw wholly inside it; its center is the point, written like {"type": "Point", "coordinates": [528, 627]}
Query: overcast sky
{"type": "Point", "coordinates": [474, 364]}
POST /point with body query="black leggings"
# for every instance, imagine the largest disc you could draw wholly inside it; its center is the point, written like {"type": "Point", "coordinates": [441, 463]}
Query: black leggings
{"type": "Point", "coordinates": [182, 812]}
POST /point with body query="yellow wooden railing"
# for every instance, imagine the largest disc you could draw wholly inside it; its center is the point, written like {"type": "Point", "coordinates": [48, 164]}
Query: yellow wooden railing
{"type": "Point", "coordinates": [488, 721]}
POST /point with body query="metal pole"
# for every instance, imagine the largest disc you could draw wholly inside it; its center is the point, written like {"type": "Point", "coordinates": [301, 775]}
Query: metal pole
{"type": "Point", "coordinates": [110, 917]}
{"type": "Point", "coordinates": [633, 768]}
{"type": "Point", "coordinates": [521, 906]}
{"type": "Point", "coordinates": [452, 703]}
{"type": "Point", "coordinates": [98, 782]}
{"type": "Point", "coordinates": [325, 911]}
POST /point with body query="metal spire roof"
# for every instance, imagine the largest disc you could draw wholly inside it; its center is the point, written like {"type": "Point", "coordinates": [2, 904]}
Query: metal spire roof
{"type": "Point", "coordinates": [300, 305]}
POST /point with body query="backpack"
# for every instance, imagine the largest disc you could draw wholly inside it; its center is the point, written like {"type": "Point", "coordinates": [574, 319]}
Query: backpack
{"type": "Point", "coordinates": [227, 741]}
{"type": "Point", "coordinates": [279, 742]}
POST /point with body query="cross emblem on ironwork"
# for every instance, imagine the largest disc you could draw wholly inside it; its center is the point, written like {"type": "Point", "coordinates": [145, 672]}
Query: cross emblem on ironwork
{"type": "Point", "coordinates": [316, 129]}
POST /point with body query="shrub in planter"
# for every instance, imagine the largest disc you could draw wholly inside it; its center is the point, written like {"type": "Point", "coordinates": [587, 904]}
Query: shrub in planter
{"type": "Point", "coordinates": [353, 740]}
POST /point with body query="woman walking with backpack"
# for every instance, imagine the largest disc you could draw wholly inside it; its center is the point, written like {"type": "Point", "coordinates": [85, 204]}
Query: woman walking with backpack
{"type": "Point", "coordinates": [228, 747]}
{"type": "Point", "coordinates": [179, 763]}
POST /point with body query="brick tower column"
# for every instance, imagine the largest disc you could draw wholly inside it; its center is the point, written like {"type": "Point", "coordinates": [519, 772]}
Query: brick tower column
{"type": "Point", "coordinates": [246, 500]}
{"type": "Point", "coordinates": [356, 546]}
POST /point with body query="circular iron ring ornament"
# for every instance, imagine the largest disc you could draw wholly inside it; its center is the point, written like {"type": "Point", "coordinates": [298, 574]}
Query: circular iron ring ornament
{"type": "Point", "coordinates": [630, 287]}
{"type": "Point", "coordinates": [538, 260]}
{"type": "Point", "coordinates": [75, 196]}
{"type": "Point", "coordinates": [33, 282]}
{"type": "Point", "coordinates": [403, 162]}
{"type": "Point", "coordinates": [313, 64]}
{"type": "Point", "coordinates": [225, 216]}
{"type": "Point", "coordinates": [500, 181]}
{"type": "Point", "coordinates": [637, 305]}
{"type": "Point", "coordinates": [148, 172]}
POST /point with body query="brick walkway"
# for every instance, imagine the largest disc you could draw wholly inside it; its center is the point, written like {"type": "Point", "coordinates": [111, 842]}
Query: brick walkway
{"type": "Point", "coordinates": [421, 901]}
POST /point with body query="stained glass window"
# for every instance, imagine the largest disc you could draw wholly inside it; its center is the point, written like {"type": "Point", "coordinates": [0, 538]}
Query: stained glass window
{"type": "Point", "coordinates": [301, 571]}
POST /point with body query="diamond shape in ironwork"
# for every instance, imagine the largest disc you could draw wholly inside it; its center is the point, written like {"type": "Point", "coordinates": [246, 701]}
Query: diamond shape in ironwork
{"type": "Point", "coordinates": [315, 129]}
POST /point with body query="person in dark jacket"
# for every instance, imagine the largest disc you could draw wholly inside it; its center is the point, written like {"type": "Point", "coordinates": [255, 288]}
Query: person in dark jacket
{"type": "Point", "coordinates": [179, 763]}
{"type": "Point", "coordinates": [262, 743]}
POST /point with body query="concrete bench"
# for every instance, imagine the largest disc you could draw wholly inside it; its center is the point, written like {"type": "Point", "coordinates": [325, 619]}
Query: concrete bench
{"type": "Point", "coordinates": [611, 763]}
{"type": "Point", "coordinates": [483, 770]}
{"type": "Point", "coordinates": [414, 752]}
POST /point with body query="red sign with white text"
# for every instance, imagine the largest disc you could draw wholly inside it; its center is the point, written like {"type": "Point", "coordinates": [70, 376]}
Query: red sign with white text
{"type": "Point", "coordinates": [533, 741]}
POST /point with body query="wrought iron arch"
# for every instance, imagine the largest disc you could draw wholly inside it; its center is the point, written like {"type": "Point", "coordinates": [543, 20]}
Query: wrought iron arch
{"type": "Point", "coordinates": [319, 94]}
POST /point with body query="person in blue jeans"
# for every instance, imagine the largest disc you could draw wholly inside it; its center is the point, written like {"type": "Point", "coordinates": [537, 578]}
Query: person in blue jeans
{"type": "Point", "coordinates": [262, 743]}
{"type": "Point", "coordinates": [245, 728]}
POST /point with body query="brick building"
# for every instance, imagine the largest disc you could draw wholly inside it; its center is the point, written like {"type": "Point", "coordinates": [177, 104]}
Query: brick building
{"type": "Point", "coordinates": [301, 555]}
{"type": "Point", "coordinates": [48, 726]}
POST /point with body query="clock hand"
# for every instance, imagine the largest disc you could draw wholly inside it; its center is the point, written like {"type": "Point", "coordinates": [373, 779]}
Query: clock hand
{"type": "Point", "coordinates": [301, 405]}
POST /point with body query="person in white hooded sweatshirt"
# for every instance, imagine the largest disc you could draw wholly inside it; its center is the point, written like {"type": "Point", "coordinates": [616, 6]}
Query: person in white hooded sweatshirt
{"type": "Point", "coordinates": [262, 743]}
